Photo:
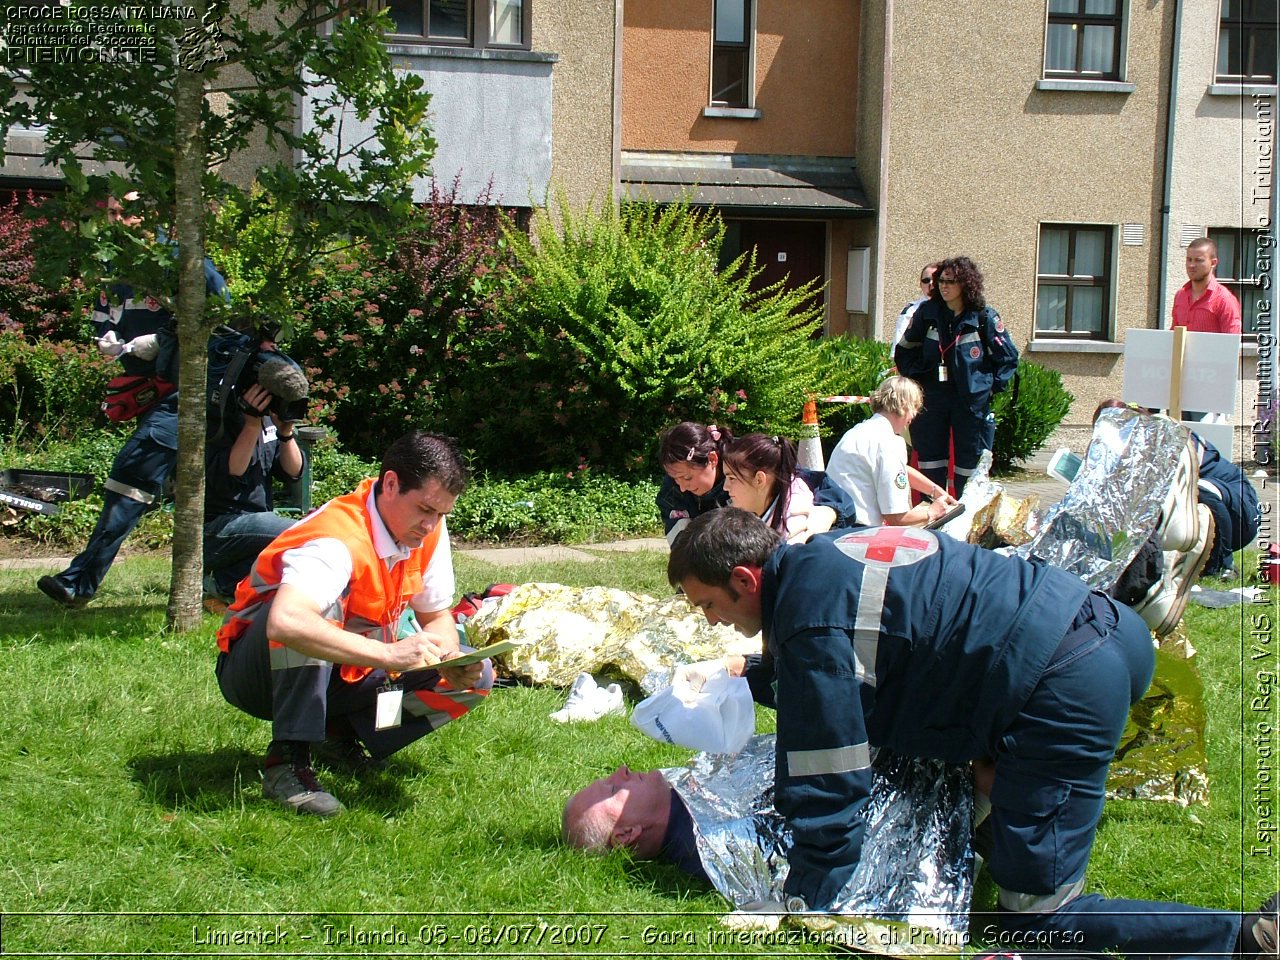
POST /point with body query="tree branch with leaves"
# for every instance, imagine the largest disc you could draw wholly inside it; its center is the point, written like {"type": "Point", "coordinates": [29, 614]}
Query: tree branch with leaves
{"type": "Point", "coordinates": [118, 123]}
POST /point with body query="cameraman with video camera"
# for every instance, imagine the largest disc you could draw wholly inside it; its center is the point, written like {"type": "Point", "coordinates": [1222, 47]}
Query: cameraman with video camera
{"type": "Point", "coordinates": [254, 406]}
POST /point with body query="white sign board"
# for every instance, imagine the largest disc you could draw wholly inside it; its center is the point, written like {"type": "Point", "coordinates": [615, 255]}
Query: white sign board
{"type": "Point", "coordinates": [1210, 371]}
{"type": "Point", "coordinates": [1210, 367]}
{"type": "Point", "coordinates": [1221, 435]}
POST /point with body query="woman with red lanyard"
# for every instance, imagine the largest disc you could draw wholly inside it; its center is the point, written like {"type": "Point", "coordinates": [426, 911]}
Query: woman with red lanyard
{"type": "Point", "coordinates": [959, 352]}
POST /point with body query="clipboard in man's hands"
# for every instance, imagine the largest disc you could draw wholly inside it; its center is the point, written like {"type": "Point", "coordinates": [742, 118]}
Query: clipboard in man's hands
{"type": "Point", "coordinates": [475, 656]}
{"type": "Point", "coordinates": [946, 518]}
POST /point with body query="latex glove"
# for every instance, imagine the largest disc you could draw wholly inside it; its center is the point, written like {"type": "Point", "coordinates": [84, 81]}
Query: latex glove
{"type": "Point", "coordinates": [763, 915]}
{"type": "Point", "coordinates": [144, 347]}
{"type": "Point", "coordinates": [696, 675]}
{"type": "Point", "coordinates": [109, 344]}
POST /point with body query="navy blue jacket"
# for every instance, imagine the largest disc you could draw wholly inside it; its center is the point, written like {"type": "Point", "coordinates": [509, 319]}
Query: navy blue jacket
{"type": "Point", "coordinates": [892, 637]}
{"type": "Point", "coordinates": [675, 505]}
{"type": "Point", "coordinates": [980, 356]}
{"type": "Point", "coordinates": [133, 316]}
{"type": "Point", "coordinates": [227, 495]}
{"type": "Point", "coordinates": [1236, 492]}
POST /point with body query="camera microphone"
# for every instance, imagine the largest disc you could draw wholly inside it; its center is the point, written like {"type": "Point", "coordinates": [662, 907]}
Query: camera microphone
{"type": "Point", "coordinates": [283, 378]}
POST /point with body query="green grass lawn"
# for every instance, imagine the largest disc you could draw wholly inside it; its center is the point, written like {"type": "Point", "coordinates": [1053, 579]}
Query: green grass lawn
{"type": "Point", "coordinates": [132, 818]}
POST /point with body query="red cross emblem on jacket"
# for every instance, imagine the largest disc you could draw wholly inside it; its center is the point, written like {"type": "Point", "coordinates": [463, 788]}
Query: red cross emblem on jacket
{"type": "Point", "coordinates": [894, 546]}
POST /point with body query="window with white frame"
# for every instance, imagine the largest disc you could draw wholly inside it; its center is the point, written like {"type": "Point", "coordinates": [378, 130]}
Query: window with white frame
{"type": "Point", "coordinates": [1238, 271]}
{"type": "Point", "coordinates": [463, 23]}
{"type": "Point", "coordinates": [1082, 39]}
{"type": "Point", "coordinates": [732, 33]}
{"type": "Point", "coordinates": [1073, 281]}
{"type": "Point", "coordinates": [1247, 41]}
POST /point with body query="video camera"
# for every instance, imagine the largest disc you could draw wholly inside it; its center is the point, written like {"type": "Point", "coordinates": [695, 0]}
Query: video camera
{"type": "Point", "coordinates": [237, 361]}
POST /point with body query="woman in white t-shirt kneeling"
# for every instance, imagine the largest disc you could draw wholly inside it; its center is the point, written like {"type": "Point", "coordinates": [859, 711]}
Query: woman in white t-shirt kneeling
{"type": "Point", "coordinates": [870, 462]}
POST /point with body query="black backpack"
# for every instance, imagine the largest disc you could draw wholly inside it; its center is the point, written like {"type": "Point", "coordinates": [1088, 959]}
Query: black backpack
{"type": "Point", "coordinates": [229, 351]}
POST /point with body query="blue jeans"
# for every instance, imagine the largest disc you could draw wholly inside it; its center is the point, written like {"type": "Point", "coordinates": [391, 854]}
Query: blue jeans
{"type": "Point", "coordinates": [232, 543]}
{"type": "Point", "coordinates": [143, 464]}
{"type": "Point", "coordinates": [1050, 783]}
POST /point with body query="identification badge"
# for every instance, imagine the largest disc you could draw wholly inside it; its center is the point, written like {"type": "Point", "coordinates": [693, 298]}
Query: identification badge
{"type": "Point", "coordinates": [390, 702]}
{"type": "Point", "coordinates": [942, 373]}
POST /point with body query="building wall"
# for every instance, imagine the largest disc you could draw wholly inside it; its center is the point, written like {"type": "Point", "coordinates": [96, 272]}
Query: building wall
{"type": "Point", "coordinates": [583, 33]}
{"type": "Point", "coordinates": [1224, 147]}
{"type": "Point", "coordinates": [872, 135]}
{"type": "Point", "coordinates": [539, 123]}
{"type": "Point", "coordinates": [977, 157]}
{"type": "Point", "coordinates": [806, 79]}
{"type": "Point", "coordinates": [491, 118]}
{"type": "Point", "coordinates": [1217, 154]}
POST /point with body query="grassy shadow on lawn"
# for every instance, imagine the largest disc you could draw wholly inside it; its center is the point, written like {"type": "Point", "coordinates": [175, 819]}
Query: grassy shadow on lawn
{"type": "Point", "coordinates": [131, 785]}
{"type": "Point", "coordinates": [194, 781]}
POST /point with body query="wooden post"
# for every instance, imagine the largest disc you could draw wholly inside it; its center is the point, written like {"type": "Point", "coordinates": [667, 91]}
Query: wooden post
{"type": "Point", "coordinates": [1175, 372]}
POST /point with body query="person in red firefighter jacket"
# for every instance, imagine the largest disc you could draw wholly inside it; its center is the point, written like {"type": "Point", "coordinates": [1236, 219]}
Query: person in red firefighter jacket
{"type": "Point", "coordinates": [312, 643]}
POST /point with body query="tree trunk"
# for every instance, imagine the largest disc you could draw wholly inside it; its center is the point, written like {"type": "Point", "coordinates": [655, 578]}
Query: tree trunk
{"type": "Point", "coordinates": [185, 592]}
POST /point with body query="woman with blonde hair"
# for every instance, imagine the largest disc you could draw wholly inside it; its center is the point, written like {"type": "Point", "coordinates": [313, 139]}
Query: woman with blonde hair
{"type": "Point", "coordinates": [870, 462]}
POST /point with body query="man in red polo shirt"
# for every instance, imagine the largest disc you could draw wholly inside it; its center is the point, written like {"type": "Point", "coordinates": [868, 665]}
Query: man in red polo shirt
{"type": "Point", "coordinates": [1203, 305]}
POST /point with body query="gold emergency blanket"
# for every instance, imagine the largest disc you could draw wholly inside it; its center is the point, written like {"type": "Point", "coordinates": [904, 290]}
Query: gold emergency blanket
{"type": "Point", "coordinates": [564, 631]}
{"type": "Point", "coordinates": [1161, 755]}
{"type": "Point", "coordinates": [991, 517]}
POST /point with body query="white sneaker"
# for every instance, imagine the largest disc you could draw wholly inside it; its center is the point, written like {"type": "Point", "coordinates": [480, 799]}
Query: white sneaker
{"type": "Point", "coordinates": [1164, 604]}
{"type": "Point", "coordinates": [1179, 526]}
{"type": "Point", "coordinates": [589, 701]}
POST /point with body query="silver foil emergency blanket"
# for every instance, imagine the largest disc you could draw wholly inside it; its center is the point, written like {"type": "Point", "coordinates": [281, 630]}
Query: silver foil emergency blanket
{"type": "Point", "coordinates": [1113, 505]}
{"type": "Point", "coordinates": [912, 888]}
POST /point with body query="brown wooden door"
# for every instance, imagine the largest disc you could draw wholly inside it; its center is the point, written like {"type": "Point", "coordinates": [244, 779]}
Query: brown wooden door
{"type": "Point", "coordinates": [788, 250]}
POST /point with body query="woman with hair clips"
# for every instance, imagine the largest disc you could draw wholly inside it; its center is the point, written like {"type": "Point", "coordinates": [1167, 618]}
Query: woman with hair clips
{"type": "Point", "coordinates": [692, 458]}
{"type": "Point", "coordinates": [958, 350]}
{"type": "Point", "coordinates": [761, 476]}
{"type": "Point", "coordinates": [692, 483]}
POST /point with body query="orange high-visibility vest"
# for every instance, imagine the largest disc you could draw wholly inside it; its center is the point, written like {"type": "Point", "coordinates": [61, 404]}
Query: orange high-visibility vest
{"type": "Point", "coordinates": [375, 598]}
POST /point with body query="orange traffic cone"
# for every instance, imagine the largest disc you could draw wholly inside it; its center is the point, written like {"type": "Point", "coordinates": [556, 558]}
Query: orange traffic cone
{"type": "Point", "coordinates": [809, 455]}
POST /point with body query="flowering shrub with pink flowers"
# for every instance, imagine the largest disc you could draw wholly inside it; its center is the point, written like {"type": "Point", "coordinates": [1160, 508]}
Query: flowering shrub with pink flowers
{"type": "Point", "coordinates": [51, 378]}
{"type": "Point", "coordinates": [32, 309]}
{"type": "Point", "coordinates": [388, 345]}
{"type": "Point", "coordinates": [567, 351]}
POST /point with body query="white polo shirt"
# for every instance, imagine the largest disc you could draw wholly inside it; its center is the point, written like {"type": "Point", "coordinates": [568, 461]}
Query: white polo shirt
{"type": "Point", "coordinates": [870, 464]}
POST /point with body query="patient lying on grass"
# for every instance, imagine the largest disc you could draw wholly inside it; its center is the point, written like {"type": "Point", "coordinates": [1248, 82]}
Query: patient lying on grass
{"type": "Point", "coordinates": [715, 820]}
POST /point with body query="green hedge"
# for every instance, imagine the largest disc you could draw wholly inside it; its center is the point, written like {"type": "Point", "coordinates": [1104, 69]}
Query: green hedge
{"type": "Point", "coordinates": [1023, 426]}
{"type": "Point", "coordinates": [51, 389]}
{"type": "Point", "coordinates": [574, 507]}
